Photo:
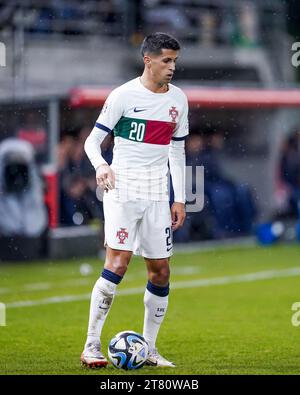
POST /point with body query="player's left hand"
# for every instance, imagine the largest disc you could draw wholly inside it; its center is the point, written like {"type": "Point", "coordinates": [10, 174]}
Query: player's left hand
{"type": "Point", "coordinates": [178, 215]}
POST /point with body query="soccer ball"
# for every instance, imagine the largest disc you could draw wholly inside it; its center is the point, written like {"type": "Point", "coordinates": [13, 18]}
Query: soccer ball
{"type": "Point", "coordinates": [128, 350]}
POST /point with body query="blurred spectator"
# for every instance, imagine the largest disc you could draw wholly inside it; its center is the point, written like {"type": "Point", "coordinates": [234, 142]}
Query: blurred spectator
{"type": "Point", "coordinates": [32, 128]}
{"type": "Point", "coordinates": [230, 202]}
{"type": "Point", "coordinates": [22, 208]}
{"type": "Point", "coordinates": [247, 25]}
{"type": "Point", "coordinates": [78, 201]}
{"type": "Point", "coordinates": [58, 10]}
{"type": "Point", "coordinates": [166, 17]}
{"type": "Point", "coordinates": [108, 11]}
{"type": "Point", "coordinates": [289, 170]}
{"type": "Point", "coordinates": [76, 17]}
{"type": "Point", "coordinates": [64, 150]}
{"type": "Point", "coordinates": [229, 207]}
{"type": "Point", "coordinates": [209, 24]}
{"type": "Point", "coordinates": [197, 225]}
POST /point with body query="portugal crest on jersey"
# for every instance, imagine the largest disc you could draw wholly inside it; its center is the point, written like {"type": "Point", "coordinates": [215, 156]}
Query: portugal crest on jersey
{"type": "Point", "coordinates": [122, 235]}
{"type": "Point", "coordinates": [173, 113]}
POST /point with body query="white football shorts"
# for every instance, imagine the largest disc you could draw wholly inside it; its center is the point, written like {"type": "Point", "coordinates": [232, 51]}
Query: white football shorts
{"type": "Point", "coordinates": [140, 226]}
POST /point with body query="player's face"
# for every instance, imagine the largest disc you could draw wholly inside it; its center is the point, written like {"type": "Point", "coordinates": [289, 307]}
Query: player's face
{"type": "Point", "coordinates": [162, 66]}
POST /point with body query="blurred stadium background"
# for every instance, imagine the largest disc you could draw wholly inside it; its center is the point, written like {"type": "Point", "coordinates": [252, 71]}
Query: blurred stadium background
{"type": "Point", "coordinates": [58, 61]}
{"type": "Point", "coordinates": [63, 57]}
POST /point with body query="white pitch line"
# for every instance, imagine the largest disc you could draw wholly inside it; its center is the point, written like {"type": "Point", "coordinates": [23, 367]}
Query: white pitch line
{"type": "Point", "coordinates": [186, 270]}
{"type": "Point", "coordinates": [83, 281]}
{"type": "Point", "coordinates": [37, 287]}
{"type": "Point", "coordinates": [206, 282]}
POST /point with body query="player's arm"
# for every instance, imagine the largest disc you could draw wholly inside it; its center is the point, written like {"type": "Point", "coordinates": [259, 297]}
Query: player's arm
{"type": "Point", "coordinates": [177, 166]}
{"type": "Point", "coordinates": [108, 118]}
{"type": "Point", "coordinates": [104, 174]}
{"type": "Point", "coordinates": [177, 170]}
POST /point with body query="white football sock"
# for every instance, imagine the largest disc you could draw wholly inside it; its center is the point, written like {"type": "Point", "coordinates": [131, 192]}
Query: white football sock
{"type": "Point", "coordinates": [101, 301]}
{"type": "Point", "coordinates": [155, 310]}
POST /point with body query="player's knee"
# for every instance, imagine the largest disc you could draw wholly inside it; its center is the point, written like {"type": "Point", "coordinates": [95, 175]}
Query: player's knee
{"type": "Point", "coordinates": [117, 262]}
{"type": "Point", "coordinates": [161, 275]}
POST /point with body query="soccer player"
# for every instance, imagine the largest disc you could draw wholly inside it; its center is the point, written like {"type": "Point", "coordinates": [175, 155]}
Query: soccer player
{"type": "Point", "coordinates": [149, 118]}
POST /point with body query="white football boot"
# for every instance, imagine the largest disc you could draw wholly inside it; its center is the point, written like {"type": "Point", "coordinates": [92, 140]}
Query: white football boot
{"type": "Point", "coordinates": [155, 359]}
{"type": "Point", "coordinates": [92, 356]}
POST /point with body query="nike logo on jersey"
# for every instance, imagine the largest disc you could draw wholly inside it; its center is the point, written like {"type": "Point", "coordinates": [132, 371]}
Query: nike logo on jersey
{"type": "Point", "coordinates": [161, 315]}
{"type": "Point", "coordinates": [139, 109]}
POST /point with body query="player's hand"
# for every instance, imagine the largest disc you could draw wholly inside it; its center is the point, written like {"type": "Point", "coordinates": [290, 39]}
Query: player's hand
{"type": "Point", "coordinates": [178, 215]}
{"type": "Point", "coordinates": [105, 177]}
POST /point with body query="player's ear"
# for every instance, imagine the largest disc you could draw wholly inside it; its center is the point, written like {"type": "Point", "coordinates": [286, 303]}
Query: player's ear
{"type": "Point", "coordinates": [147, 60]}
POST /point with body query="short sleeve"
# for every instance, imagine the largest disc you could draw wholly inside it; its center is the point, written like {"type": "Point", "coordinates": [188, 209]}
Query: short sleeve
{"type": "Point", "coordinates": [111, 112]}
{"type": "Point", "coordinates": [182, 128]}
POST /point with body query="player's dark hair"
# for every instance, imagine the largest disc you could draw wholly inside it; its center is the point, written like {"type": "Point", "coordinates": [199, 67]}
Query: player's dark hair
{"type": "Point", "coordinates": [154, 43]}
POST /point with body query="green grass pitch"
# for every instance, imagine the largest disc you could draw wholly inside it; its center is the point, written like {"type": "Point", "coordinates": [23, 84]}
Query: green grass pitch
{"type": "Point", "coordinates": [229, 313]}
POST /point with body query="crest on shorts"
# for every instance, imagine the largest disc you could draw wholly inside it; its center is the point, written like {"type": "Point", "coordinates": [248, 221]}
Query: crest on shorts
{"type": "Point", "coordinates": [173, 113]}
{"type": "Point", "coordinates": [122, 235]}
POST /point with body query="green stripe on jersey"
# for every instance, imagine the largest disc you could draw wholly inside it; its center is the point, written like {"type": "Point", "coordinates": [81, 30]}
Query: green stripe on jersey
{"type": "Point", "coordinates": [146, 131]}
{"type": "Point", "coordinates": [131, 128]}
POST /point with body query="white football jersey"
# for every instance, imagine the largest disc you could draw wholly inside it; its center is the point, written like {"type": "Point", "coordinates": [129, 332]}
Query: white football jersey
{"type": "Point", "coordinates": [143, 123]}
